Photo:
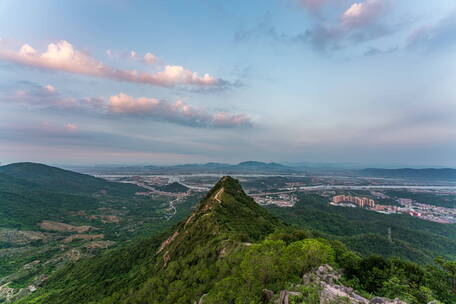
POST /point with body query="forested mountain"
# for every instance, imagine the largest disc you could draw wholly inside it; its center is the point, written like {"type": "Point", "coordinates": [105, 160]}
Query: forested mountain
{"type": "Point", "coordinates": [30, 193]}
{"type": "Point", "coordinates": [47, 218]}
{"type": "Point", "coordinates": [231, 250]}
{"type": "Point", "coordinates": [58, 180]}
{"type": "Point", "coordinates": [174, 187]}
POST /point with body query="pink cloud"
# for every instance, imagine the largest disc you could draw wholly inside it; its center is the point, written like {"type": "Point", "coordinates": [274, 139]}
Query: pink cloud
{"type": "Point", "coordinates": [50, 89]}
{"type": "Point", "coordinates": [71, 127]}
{"type": "Point", "coordinates": [123, 105]}
{"type": "Point", "coordinates": [363, 13]}
{"type": "Point", "coordinates": [150, 58]}
{"type": "Point", "coordinates": [62, 56]}
{"type": "Point", "coordinates": [179, 112]}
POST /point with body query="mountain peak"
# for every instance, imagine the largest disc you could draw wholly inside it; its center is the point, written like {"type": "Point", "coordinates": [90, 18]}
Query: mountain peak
{"type": "Point", "coordinates": [225, 218]}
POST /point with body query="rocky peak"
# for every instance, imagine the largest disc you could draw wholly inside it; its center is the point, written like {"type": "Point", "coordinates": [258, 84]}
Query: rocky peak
{"type": "Point", "coordinates": [226, 213]}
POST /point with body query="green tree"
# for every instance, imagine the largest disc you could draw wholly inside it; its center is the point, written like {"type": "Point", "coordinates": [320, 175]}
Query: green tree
{"type": "Point", "coordinates": [304, 255]}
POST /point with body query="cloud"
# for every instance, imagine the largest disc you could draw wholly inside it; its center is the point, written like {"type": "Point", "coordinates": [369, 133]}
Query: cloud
{"type": "Point", "coordinates": [178, 112]}
{"type": "Point", "coordinates": [50, 89]}
{"type": "Point", "coordinates": [125, 106]}
{"type": "Point", "coordinates": [150, 58]}
{"type": "Point", "coordinates": [54, 136]}
{"type": "Point", "coordinates": [71, 127]}
{"type": "Point", "coordinates": [62, 56]}
{"type": "Point", "coordinates": [373, 51]}
{"type": "Point", "coordinates": [364, 13]}
{"type": "Point", "coordinates": [360, 22]}
{"type": "Point", "coordinates": [439, 36]}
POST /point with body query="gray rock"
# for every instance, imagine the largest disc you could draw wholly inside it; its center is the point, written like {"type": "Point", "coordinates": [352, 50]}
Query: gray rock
{"type": "Point", "coordinates": [267, 295]}
{"type": "Point", "coordinates": [201, 300]}
{"type": "Point", "coordinates": [380, 300]}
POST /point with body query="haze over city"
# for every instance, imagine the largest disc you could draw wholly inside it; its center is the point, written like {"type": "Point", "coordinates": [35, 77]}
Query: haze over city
{"type": "Point", "coordinates": [366, 81]}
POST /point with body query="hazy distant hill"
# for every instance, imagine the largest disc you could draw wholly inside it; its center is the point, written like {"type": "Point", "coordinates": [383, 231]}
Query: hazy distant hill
{"type": "Point", "coordinates": [173, 187]}
{"type": "Point", "coordinates": [430, 173]}
{"type": "Point", "coordinates": [216, 168]}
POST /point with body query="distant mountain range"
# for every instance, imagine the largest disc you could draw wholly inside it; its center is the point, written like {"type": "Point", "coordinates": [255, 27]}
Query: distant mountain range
{"type": "Point", "coordinates": [214, 168]}
{"type": "Point", "coordinates": [242, 167]}
{"type": "Point", "coordinates": [429, 173]}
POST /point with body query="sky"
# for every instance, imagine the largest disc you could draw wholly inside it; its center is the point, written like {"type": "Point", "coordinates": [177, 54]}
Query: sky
{"type": "Point", "coordinates": [166, 82]}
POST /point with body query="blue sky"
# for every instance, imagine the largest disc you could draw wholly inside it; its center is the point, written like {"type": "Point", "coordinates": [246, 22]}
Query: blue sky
{"type": "Point", "coordinates": [165, 82]}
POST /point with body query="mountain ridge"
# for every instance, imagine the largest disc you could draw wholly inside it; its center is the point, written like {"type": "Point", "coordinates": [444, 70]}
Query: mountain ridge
{"type": "Point", "coordinates": [230, 250]}
{"type": "Point", "coordinates": [57, 179]}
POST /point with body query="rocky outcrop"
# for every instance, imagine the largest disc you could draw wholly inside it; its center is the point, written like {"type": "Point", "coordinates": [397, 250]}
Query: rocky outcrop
{"type": "Point", "coordinates": [9, 295]}
{"type": "Point", "coordinates": [325, 279]}
{"type": "Point", "coordinates": [379, 300]}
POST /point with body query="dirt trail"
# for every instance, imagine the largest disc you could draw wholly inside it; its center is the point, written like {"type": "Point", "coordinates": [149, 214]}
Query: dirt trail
{"type": "Point", "coordinates": [218, 194]}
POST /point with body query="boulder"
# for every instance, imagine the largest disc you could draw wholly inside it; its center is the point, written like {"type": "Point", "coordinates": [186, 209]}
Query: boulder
{"type": "Point", "coordinates": [267, 295]}
{"type": "Point", "coordinates": [380, 300]}
{"type": "Point", "coordinates": [326, 277]}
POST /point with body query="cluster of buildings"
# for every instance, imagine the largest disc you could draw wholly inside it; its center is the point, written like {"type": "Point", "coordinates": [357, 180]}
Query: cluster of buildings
{"type": "Point", "coordinates": [428, 212]}
{"type": "Point", "coordinates": [359, 201]}
{"type": "Point", "coordinates": [408, 206]}
{"type": "Point", "coordinates": [281, 200]}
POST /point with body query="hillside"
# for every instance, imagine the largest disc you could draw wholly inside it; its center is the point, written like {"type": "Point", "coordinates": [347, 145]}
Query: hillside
{"type": "Point", "coordinates": [47, 219]}
{"type": "Point", "coordinates": [30, 193]}
{"type": "Point", "coordinates": [366, 231]}
{"type": "Point", "coordinates": [174, 187]}
{"type": "Point", "coordinates": [229, 250]}
{"type": "Point", "coordinates": [56, 179]}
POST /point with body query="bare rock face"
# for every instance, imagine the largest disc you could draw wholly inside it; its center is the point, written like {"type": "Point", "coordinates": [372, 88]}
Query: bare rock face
{"type": "Point", "coordinates": [331, 292]}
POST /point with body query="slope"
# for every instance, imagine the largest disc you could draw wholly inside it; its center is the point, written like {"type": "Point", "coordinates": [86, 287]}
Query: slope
{"type": "Point", "coordinates": [60, 180]}
{"type": "Point", "coordinates": [413, 239]}
{"type": "Point", "coordinates": [227, 251]}
{"type": "Point", "coordinates": [225, 221]}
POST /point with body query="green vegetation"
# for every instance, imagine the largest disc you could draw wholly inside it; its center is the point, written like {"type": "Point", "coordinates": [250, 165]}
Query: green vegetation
{"type": "Point", "coordinates": [228, 250]}
{"type": "Point", "coordinates": [173, 188]}
{"type": "Point", "coordinates": [32, 193]}
{"type": "Point", "coordinates": [367, 232]}
{"type": "Point", "coordinates": [447, 201]}
{"type": "Point", "coordinates": [33, 175]}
